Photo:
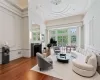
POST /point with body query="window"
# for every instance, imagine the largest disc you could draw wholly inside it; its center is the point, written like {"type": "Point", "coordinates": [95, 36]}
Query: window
{"type": "Point", "coordinates": [36, 36]}
{"type": "Point", "coordinates": [73, 39]}
{"type": "Point", "coordinates": [73, 36]}
{"type": "Point", "coordinates": [53, 34]}
{"type": "Point", "coordinates": [59, 40]}
{"type": "Point", "coordinates": [65, 36]}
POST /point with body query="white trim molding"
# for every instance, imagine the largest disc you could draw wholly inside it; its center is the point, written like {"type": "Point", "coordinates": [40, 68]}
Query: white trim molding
{"type": "Point", "coordinates": [13, 8]}
{"type": "Point", "coordinates": [66, 25]}
{"type": "Point", "coordinates": [4, 4]}
{"type": "Point", "coordinates": [25, 12]}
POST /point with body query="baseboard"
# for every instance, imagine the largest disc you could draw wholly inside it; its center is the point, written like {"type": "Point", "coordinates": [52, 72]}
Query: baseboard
{"type": "Point", "coordinates": [0, 62]}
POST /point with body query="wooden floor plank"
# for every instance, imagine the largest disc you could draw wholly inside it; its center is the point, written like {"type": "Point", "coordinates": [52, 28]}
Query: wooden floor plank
{"type": "Point", "coordinates": [20, 70]}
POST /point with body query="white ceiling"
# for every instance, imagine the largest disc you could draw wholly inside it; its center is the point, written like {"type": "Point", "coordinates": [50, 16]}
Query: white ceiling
{"type": "Point", "coordinates": [19, 3]}
{"type": "Point", "coordinates": [66, 8]}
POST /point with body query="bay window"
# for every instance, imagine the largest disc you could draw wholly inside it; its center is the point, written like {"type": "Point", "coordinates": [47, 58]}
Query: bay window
{"type": "Point", "coordinates": [65, 36]}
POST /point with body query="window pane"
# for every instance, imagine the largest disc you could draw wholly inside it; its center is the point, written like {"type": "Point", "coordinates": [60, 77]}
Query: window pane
{"type": "Point", "coordinates": [36, 36]}
{"type": "Point", "coordinates": [59, 31]}
{"type": "Point", "coordinates": [73, 39]}
{"type": "Point", "coordinates": [53, 32]}
{"type": "Point", "coordinates": [65, 36]}
{"type": "Point", "coordinates": [54, 38]}
{"type": "Point", "coordinates": [65, 40]}
{"type": "Point", "coordinates": [34, 39]}
{"type": "Point", "coordinates": [73, 36]}
{"type": "Point", "coordinates": [59, 40]}
{"type": "Point", "coordinates": [34, 33]}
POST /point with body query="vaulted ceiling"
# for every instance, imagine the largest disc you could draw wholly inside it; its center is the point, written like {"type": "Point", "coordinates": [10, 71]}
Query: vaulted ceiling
{"type": "Point", "coordinates": [48, 10]}
{"type": "Point", "coordinates": [19, 3]}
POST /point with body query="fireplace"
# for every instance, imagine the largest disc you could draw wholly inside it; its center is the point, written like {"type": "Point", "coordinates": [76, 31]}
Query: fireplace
{"type": "Point", "coordinates": [35, 47]}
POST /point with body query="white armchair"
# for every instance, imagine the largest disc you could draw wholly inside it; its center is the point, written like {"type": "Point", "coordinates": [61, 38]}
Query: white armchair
{"type": "Point", "coordinates": [86, 68]}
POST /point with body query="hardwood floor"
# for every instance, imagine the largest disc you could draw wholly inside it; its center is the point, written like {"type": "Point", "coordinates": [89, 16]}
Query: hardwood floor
{"type": "Point", "coordinates": [20, 70]}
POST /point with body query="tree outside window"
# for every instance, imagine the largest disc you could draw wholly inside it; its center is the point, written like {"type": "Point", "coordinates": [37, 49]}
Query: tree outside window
{"type": "Point", "coordinates": [73, 39]}
{"type": "Point", "coordinates": [66, 36]}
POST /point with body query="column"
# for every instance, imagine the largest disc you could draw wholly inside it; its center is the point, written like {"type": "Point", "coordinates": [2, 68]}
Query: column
{"type": "Point", "coordinates": [43, 35]}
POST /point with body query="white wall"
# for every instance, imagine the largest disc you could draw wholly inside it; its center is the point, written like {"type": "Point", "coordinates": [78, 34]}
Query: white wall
{"type": "Point", "coordinates": [10, 31]}
{"type": "Point", "coordinates": [92, 26]}
{"type": "Point", "coordinates": [14, 30]}
{"type": "Point", "coordinates": [25, 41]}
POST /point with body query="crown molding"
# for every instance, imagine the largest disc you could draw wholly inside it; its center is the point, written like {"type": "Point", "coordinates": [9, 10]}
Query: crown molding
{"type": "Point", "coordinates": [25, 9]}
{"type": "Point", "coordinates": [25, 12]}
{"type": "Point", "coordinates": [13, 8]}
{"type": "Point", "coordinates": [13, 4]}
{"type": "Point", "coordinates": [66, 25]}
{"type": "Point", "coordinates": [4, 4]}
{"type": "Point", "coordinates": [16, 6]}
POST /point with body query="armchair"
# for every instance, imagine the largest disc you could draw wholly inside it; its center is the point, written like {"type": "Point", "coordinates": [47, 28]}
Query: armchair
{"type": "Point", "coordinates": [44, 62]}
{"type": "Point", "coordinates": [86, 68]}
{"type": "Point", "coordinates": [57, 49]}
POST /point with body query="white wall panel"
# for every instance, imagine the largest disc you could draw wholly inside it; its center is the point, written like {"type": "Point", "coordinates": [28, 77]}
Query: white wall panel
{"type": "Point", "coordinates": [92, 26]}
{"type": "Point", "coordinates": [10, 31]}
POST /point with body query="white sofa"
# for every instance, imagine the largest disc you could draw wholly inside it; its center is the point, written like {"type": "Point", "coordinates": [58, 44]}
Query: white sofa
{"type": "Point", "coordinates": [85, 63]}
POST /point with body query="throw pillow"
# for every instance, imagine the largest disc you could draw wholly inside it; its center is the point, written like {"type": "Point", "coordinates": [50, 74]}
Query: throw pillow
{"type": "Point", "coordinates": [78, 49]}
{"type": "Point", "coordinates": [82, 51]}
{"type": "Point", "coordinates": [87, 57]}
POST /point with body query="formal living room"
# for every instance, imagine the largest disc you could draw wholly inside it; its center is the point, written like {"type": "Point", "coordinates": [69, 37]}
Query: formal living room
{"type": "Point", "coordinates": [49, 40]}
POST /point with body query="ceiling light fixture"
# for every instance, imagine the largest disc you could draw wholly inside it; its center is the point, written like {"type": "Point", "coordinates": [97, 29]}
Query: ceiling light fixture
{"type": "Point", "coordinates": [55, 2]}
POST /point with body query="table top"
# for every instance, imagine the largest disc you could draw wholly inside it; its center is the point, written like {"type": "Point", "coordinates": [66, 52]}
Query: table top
{"type": "Point", "coordinates": [63, 56]}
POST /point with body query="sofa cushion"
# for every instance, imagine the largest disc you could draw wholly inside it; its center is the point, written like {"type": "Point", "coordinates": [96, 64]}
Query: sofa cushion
{"type": "Point", "coordinates": [40, 55]}
{"type": "Point", "coordinates": [87, 57]}
{"type": "Point", "coordinates": [79, 50]}
{"type": "Point", "coordinates": [49, 60]}
{"type": "Point", "coordinates": [82, 65]}
{"type": "Point", "coordinates": [93, 60]}
{"type": "Point", "coordinates": [78, 55]}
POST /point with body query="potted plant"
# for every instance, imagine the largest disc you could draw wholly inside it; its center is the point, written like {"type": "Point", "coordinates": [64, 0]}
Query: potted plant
{"type": "Point", "coordinates": [48, 45]}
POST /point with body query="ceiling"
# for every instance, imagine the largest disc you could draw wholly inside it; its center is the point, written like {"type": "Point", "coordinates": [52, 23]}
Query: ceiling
{"type": "Point", "coordinates": [19, 3]}
{"type": "Point", "coordinates": [46, 10]}
{"type": "Point", "coordinates": [66, 8]}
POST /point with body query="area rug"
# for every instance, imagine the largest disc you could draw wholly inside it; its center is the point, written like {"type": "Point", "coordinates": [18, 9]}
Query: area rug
{"type": "Point", "coordinates": [64, 71]}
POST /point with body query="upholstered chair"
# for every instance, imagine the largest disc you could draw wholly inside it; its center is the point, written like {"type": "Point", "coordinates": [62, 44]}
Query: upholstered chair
{"type": "Point", "coordinates": [85, 68]}
{"type": "Point", "coordinates": [57, 49]}
{"type": "Point", "coordinates": [44, 63]}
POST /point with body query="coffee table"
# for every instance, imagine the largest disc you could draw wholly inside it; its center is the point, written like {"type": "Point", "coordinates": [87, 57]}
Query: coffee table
{"type": "Point", "coordinates": [63, 57]}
